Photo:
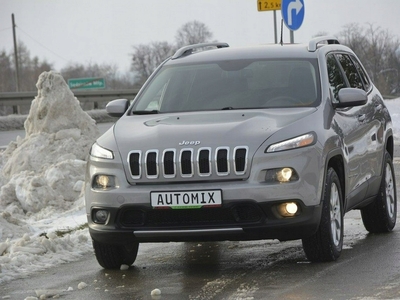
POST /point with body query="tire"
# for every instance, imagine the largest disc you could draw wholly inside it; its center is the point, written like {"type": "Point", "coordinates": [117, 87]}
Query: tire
{"type": "Point", "coordinates": [113, 256]}
{"type": "Point", "coordinates": [327, 243]}
{"type": "Point", "coordinates": [380, 215]}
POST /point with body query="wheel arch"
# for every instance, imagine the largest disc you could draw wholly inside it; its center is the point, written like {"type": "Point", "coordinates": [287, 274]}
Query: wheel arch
{"type": "Point", "coordinates": [390, 145]}
{"type": "Point", "coordinates": [336, 162]}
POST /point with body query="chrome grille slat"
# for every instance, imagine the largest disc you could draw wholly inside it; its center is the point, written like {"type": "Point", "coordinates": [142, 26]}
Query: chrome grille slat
{"type": "Point", "coordinates": [151, 164]}
{"type": "Point", "coordinates": [222, 161]}
{"type": "Point", "coordinates": [240, 156]}
{"type": "Point", "coordinates": [188, 162]}
{"type": "Point", "coordinates": [169, 163]}
{"type": "Point", "coordinates": [204, 162]}
{"type": "Point", "coordinates": [135, 166]}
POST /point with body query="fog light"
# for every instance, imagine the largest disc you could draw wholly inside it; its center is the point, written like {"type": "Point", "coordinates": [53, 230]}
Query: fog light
{"type": "Point", "coordinates": [288, 209]}
{"type": "Point", "coordinates": [101, 216]}
{"type": "Point", "coordinates": [104, 182]}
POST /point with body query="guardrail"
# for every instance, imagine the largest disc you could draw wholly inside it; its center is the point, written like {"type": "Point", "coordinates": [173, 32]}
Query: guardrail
{"type": "Point", "coordinates": [20, 103]}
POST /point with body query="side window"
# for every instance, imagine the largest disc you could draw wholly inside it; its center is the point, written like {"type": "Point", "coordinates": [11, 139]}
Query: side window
{"type": "Point", "coordinates": [364, 77]}
{"type": "Point", "coordinates": [351, 71]}
{"type": "Point", "coordinates": [336, 79]}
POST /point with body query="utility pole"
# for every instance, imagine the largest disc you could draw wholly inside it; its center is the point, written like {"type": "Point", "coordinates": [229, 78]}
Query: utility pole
{"type": "Point", "coordinates": [275, 29]}
{"type": "Point", "coordinates": [15, 52]}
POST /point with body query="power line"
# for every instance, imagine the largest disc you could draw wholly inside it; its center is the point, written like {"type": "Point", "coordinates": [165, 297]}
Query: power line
{"type": "Point", "coordinates": [4, 29]}
{"type": "Point", "coordinates": [40, 44]}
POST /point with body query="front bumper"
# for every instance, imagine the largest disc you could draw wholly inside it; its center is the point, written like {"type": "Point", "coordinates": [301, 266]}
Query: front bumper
{"type": "Point", "coordinates": [248, 210]}
{"type": "Point", "coordinates": [243, 220]}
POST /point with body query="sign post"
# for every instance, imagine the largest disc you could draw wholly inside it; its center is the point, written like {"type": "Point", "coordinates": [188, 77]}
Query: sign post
{"type": "Point", "coordinates": [267, 5]}
{"type": "Point", "coordinates": [293, 15]}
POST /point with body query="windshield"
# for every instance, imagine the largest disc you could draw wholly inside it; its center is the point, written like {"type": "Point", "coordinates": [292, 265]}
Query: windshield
{"type": "Point", "coordinates": [237, 84]}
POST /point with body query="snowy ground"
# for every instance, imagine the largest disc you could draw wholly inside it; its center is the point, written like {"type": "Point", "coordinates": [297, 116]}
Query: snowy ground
{"type": "Point", "coordinates": [42, 215]}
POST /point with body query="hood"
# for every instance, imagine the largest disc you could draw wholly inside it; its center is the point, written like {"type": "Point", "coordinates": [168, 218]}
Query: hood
{"type": "Point", "coordinates": [203, 129]}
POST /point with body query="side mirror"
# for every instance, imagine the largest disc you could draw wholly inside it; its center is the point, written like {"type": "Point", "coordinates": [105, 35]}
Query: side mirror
{"type": "Point", "coordinates": [351, 97]}
{"type": "Point", "coordinates": [117, 108]}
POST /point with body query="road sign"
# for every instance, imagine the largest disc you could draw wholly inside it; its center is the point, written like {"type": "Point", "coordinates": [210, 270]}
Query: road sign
{"type": "Point", "coordinates": [293, 13]}
{"type": "Point", "coordinates": [86, 83]}
{"type": "Point", "coordinates": [263, 5]}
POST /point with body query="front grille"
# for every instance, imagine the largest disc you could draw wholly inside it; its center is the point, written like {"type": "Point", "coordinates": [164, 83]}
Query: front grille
{"type": "Point", "coordinates": [234, 215]}
{"type": "Point", "coordinates": [188, 162]}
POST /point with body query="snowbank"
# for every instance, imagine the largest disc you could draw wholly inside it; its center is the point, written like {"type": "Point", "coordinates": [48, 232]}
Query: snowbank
{"type": "Point", "coordinates": [42, 178]}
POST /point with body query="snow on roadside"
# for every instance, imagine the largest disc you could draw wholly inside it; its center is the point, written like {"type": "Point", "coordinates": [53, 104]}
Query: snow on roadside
{"type": "Point", "coordinates": [394, 110]}
{"type": "Point", "coordinates": [42, 215]}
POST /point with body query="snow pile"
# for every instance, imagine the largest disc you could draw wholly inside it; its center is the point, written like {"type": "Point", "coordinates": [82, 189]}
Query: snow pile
{"type": "Point", "coordinates": [42, 178]}
{"type": "Point", "coordinates": [394, 109]}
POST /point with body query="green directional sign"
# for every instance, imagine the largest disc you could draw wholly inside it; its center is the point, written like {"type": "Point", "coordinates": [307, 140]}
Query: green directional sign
{"type": "Point", "coordinates": [86, 83]}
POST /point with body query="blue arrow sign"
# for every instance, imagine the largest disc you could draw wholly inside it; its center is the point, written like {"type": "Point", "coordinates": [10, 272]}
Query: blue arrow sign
{"type": "Point", "coordinates": [293, 13]}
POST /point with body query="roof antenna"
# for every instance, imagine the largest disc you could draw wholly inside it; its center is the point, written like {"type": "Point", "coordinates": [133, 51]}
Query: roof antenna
{"type": "Point", "coordinates": [281, 32]}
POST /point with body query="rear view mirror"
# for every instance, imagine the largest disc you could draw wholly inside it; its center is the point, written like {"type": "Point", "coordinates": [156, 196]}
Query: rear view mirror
{"type": "Point", "coordinates": [117, 108]}
{"type": "Point", "coordinates": [351, 97]}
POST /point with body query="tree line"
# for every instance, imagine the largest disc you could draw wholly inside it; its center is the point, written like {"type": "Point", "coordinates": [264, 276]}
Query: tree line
{"type": "Point", "coordinates": [378, 50]}
{"type": "Point", "coordinates": [144, 59]}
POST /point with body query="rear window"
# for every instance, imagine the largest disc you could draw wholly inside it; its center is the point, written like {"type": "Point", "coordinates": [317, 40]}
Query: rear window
{"type": "Point", "coordinates": [237, 84]}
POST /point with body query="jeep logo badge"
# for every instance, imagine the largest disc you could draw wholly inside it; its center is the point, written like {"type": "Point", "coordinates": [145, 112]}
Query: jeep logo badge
{"type": "Point", "coordinates": [186, 143]}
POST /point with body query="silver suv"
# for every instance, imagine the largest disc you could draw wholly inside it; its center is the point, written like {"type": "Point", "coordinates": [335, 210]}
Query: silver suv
{"type": "Point", "coordinates": [266, 142]}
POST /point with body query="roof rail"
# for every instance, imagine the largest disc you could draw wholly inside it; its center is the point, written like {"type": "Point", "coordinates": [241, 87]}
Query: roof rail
{"type": "Point", "coordinates": [312, 46]}
{"type": "Point", "coordinates": [187, 50]}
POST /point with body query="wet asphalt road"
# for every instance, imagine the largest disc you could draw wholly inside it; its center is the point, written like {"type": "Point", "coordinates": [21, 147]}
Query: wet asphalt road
{"type": "Point", "coordinates": [369, 268]}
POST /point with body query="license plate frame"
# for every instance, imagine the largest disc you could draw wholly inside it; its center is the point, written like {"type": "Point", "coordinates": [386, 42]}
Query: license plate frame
{"type": "Point", "coordinates": [194, 199]}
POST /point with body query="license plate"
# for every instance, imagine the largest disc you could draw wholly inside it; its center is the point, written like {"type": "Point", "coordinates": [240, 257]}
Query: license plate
{"type": "Point", "coordinates": [186, 199]}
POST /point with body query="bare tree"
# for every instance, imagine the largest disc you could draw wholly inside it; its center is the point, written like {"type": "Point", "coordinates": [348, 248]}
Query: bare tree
{"type": "Point", "coordinates": [376, 48]}
{"type": "Point", "coordinates": [193, 33]}
{"type": "Point", "coordinates": [113, 79]}
{"type": "Point", "coordinates": [29, 68]}
{"type": "Point", "coordinates": [320, 33]}
{"type": "Point", "coordinates": [7, 74]}
{"type": "Point", "coordinates": [146, 58]}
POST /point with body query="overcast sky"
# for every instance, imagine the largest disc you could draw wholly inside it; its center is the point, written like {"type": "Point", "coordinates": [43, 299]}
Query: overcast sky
{"type": "Point", "coordinates": [105, 31]}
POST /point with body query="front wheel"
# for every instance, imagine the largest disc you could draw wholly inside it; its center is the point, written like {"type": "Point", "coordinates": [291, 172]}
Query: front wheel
{"type": "Point", "coordinates": [326, 244]}
{"type": "Point", "coordinates": [380, 216]}
{"type": "Point", "coordinates": [113, 256]}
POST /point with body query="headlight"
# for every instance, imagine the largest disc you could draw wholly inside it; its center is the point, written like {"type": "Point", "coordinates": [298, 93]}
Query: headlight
{"type": "Point", "coordinates": [101, 152]}
{"type": "Point", "coordinates": [297, 142]}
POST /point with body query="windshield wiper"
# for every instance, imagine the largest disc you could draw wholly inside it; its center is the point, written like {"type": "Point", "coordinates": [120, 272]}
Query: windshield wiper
{"type": "Point", "coordinates": [144, 112]}
{"type": "Point", "coordinates": [227, 108]}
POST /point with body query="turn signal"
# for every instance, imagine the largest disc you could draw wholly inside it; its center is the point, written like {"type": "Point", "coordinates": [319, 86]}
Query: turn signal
{"type": "Point", "coordinates": [281, 175]}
